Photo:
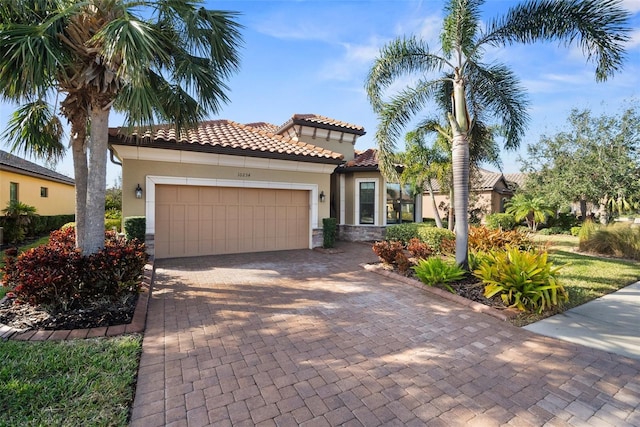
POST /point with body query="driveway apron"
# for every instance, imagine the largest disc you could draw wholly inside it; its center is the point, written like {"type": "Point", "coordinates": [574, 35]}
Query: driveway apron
{"type": "Point", "coordinates": [310, 338]}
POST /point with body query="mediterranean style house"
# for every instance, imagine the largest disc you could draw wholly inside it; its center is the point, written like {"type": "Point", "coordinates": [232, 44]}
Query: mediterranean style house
{"type": "Point", "coordinates": [489, 191]}
{"type": "Point", "coordinates": [50, 192]}
{"type": "Point", "coordinates": [225, 187]}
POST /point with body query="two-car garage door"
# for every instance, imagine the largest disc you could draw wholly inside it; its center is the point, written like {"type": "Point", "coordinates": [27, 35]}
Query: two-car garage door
{"type": "Point", "coordinates": [192, 220]}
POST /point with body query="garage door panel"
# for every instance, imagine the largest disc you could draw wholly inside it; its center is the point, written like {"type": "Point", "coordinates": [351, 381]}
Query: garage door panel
{"type": "Point", "coordinates": [169, 194]}
{"type": "Point", "coordinates": [217, 220]}
{"type": "Point", "coordinates": [267, 197]}
{"type": "Point", "coordinates": [229, 196]}
{"type": "Point", "coordinates": [178, 213]}
{"type": "Point", "coordinates": [209, 195]}
{"type": "Point", "coordinates": [189, 195]}
{"type": "Point", "coordinates": [163, 213]}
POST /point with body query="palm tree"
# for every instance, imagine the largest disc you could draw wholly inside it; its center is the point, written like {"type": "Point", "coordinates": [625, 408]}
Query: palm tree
{"type": "Point", "coordinates": [534, 210]}
{"type": "Point", "coordinates": [155, 61]}
{"type": "Point", "coordinates": [479, 91]}
{"type": "Point", "coordinates": [422, 165]}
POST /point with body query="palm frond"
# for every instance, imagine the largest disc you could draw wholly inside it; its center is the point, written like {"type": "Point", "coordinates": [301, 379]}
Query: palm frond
{"type": "Point", "coordinates": [496, 90]}
{"type": "Point", "coordinates": [599, 27]}
{"type": "Point", "coordinates": [460, 26]}
{"type": "Point", "coordinates": [395, 115]}
{"type": "Point", "coordinates": [400, 57]}
{"type": "Point", "coordinates": [33, 129]}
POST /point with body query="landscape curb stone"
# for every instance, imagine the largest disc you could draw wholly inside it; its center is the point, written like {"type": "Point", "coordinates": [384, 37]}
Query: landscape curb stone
{"type": "Point", "coordinates": [503, 315]}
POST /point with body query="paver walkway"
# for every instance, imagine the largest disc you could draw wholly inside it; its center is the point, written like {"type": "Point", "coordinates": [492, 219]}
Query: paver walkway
{"type": "Point", "coordinates": [308, 338]}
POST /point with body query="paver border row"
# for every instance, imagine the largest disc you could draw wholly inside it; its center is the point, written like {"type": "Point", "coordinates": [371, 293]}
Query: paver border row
{"type": "Point", "coordinates": [137, 324]}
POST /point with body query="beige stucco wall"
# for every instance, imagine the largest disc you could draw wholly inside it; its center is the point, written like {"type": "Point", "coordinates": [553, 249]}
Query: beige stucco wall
{"type": "Point", "coordinates": [350, 196]}
{"type": "Point", "coordinates": [134, 172]}
{"type": "Point", "coordinates": [60, 199]}
{"type": "Point", "coordinates": [489, 201]}
{"type": "Point", "coordinates": [338, 142]}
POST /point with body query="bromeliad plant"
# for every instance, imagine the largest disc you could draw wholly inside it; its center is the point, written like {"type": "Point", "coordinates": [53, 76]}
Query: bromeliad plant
{"type": "Point", "coordinates": [526, 280]}
{"type": "Point", "coordinates": [436, 271]}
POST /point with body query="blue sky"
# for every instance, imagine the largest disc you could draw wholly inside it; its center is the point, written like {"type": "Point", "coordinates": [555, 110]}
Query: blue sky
{"type": "Point", "coordinates": [313, 57]}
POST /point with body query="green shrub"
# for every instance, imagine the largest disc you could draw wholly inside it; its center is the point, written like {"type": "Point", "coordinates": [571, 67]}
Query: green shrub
{"type": "Point", "coordinates": [436, 271]}
{"type": "Point", "coordinates": [403, 232]}
{"type": "Point", "coordinates": [329, 231]}
{"type": "Point", "coordinates": [18, 217]}
{"type": "Point", "coordinates": [440, 240]}
{"type": "Point", "coordinates": [502, 221]}
{"type": "Point", "coordinates": [109, 224]}
{"type": "Point", "coordinates": [620, 240]}
{"type": "Point", "coordinates": [135, 227]}
{"type": "Point", "coordinates": [552, 230]}
{"type": "Point", "coordinates": [575, 231]}
{"type": "Point", "coordinates": [525, 280]}
{"type": "Point", "coordinates": [57, 275]}
{"type": "Point", "coordinates": [388, 251]}
{"type": "Point", "coordinates": [563, 221]}
{"type": "Point", "coordinates": [475, 258]}
{"type": "Point", "coordinates": [43, 225]}
{"type": "Point", "coordinates": [113, 213]}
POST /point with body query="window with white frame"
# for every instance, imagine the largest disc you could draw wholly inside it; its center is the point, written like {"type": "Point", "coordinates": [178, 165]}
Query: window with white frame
{"type": "Point", "coordinates": [366, 201]}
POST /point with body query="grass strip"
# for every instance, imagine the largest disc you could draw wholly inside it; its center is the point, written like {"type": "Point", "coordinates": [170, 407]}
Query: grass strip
{"type": "Point", "coordinates": [68, 383]}
{"type": "Point", "coordinates": [585, 277]}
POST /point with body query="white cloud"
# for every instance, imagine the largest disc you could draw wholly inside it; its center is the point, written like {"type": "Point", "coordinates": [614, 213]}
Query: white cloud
{"type": "Point", "coordinates": [634, 38]}
{"type": "Point", "coordinates": [632, 5]}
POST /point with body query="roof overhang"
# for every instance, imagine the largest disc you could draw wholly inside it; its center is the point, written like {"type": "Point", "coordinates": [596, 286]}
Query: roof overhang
{"type": "Point", "coordinates": [174, 145]}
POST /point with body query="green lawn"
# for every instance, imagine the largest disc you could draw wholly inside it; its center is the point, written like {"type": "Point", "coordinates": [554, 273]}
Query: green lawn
{"type": "Point", "coordinates": [68, 383]}
{"type": "Point", "coordinates": [585, 277]}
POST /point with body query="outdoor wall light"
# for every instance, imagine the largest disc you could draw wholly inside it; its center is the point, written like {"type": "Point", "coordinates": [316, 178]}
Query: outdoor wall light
{"type": "Point", "coordinates": [322, 197]}
{"type": "Point", "coordinates": [138, 192]}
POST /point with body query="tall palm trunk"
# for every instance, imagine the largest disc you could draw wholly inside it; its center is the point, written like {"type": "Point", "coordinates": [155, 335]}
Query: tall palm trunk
{"type": "Point", "coordinates": [460, 165]}
{"type": "Point", "coordinates": [97, 180]}
{"type": "Point", "coordinates": [78, 145]}
{"type": "Point", "coordinates": [460, 160]}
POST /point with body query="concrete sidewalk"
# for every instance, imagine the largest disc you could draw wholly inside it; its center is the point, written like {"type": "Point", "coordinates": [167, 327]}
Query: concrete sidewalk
{"type": "Point", "coordinates": [610, 323]}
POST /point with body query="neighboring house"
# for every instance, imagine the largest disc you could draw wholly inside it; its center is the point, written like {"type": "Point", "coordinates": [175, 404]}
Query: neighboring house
{"type": "Point", "coordinates": [51, 193]}
{"type": "Point", "coordinates": [488, 194]}
{"type": "Point", "coordinates": [226, 187]}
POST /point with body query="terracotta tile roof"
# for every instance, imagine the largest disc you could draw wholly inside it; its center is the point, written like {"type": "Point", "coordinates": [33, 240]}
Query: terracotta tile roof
{"type": "Point", "coordinates": [268, 127]}
{"type": "Point", "coordinates": [228, 137]}
{"type": "Point", "coordinates": [16, 164]}
{"type": "Point", "coordinates": [364, 159]}
{"type": "Point", "coordinates": [322, 122]}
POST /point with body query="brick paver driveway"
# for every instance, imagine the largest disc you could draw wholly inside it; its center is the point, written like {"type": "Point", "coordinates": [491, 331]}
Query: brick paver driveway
{"type": "Point", "coordinates": [309, 338]}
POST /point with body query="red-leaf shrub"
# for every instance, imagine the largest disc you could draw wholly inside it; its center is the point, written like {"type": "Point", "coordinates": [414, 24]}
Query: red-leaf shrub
{"type": "Point", "coordinates": [402, 262]}
{"type": "Point", "coordinates": [46, 274]}
{"type": "Point", "coordinates": [388, 250]}
{"type": "Point", "coordinates": [116, 269]}
{"type": "Point", "coordinates": [57, 274]}
{"type": "Point", "coordinates": [419, 249]}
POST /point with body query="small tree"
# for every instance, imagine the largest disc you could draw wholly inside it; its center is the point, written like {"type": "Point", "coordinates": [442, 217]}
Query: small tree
{"type": "Point", "coordinates": [19, 216]}
{"type": "Point", "coordinates": [532, 209]}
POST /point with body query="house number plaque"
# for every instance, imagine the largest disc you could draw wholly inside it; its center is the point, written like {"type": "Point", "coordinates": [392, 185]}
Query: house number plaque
{"type": "Point", "coordinates": [244, 174]}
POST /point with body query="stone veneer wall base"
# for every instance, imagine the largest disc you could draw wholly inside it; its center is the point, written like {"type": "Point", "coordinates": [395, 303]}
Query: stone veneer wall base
{"type": "Point", "coordinates": [360, 233]}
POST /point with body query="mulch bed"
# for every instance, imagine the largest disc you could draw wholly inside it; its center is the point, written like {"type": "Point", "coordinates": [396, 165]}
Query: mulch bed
{"type": "Point", "coordinates": [92, 315]}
